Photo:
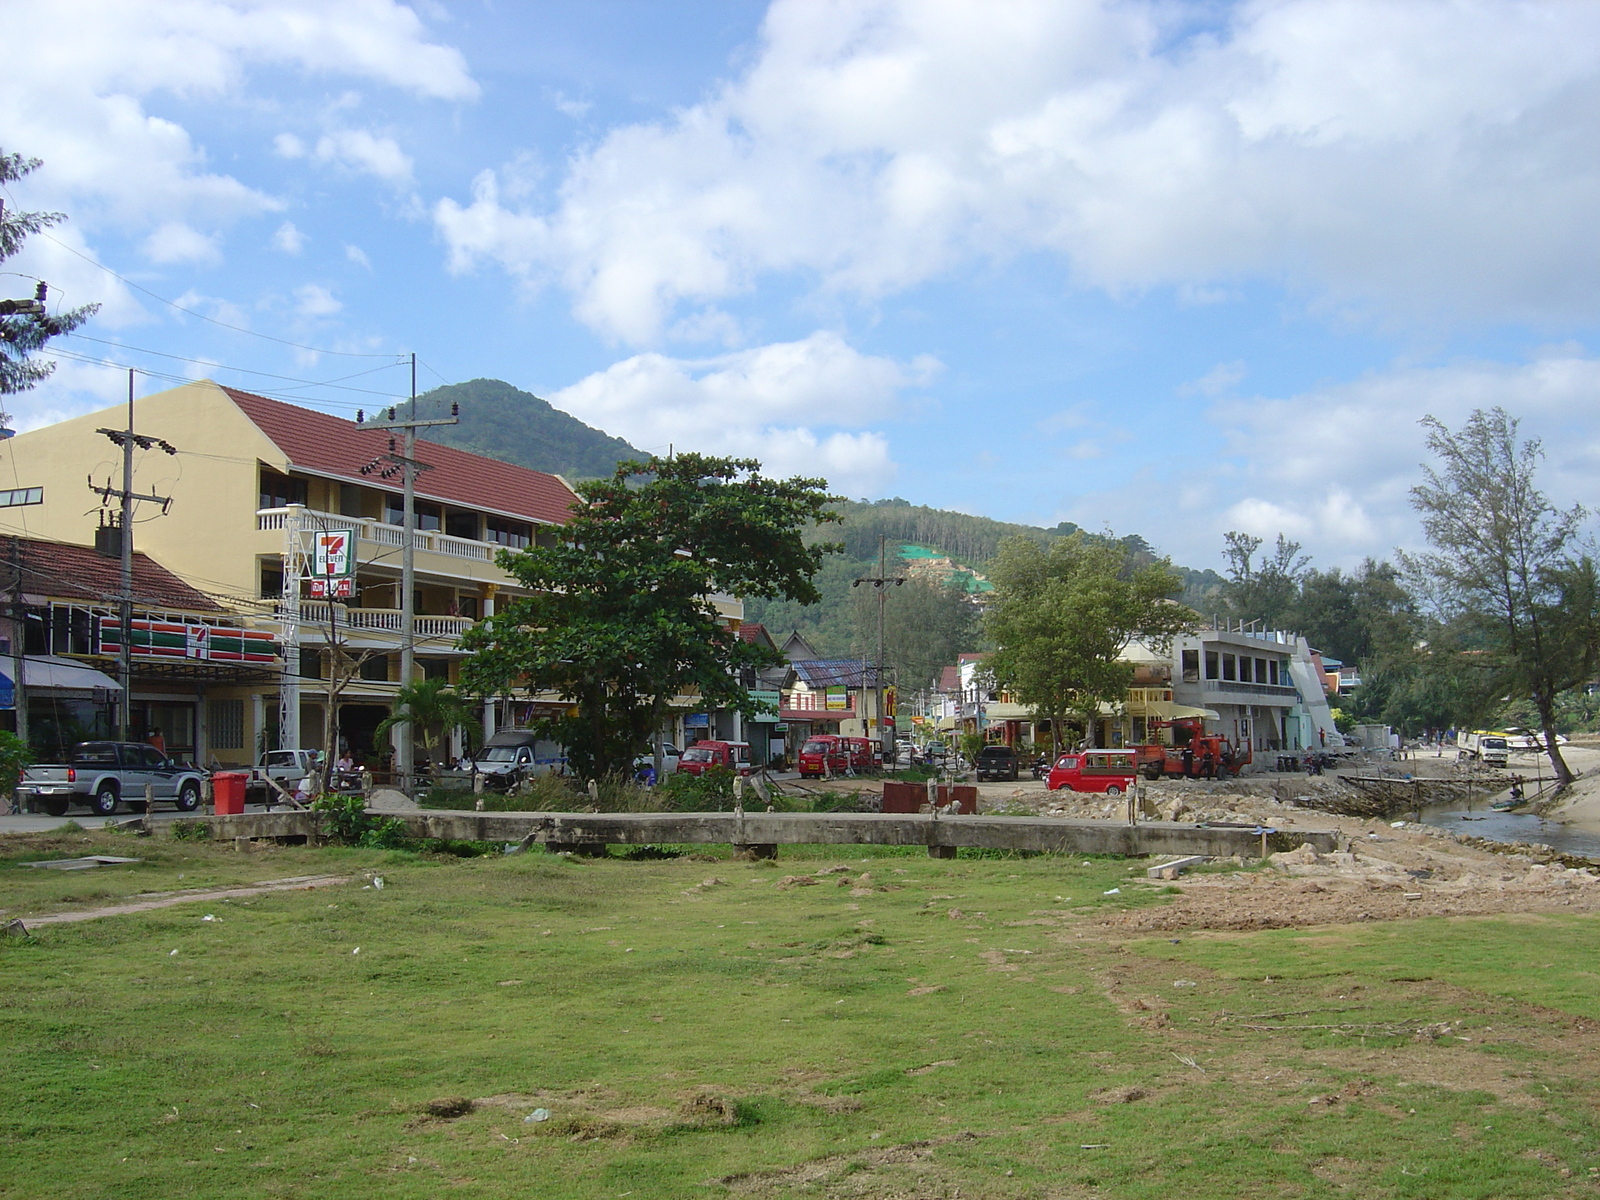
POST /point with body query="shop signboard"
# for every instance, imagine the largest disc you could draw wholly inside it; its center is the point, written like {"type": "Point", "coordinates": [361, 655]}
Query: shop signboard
{"type": "Point", "coordinates": [838, 698]}
{"type": "Point", "coordinates": [191, 640]}
{"type": "Point", "coordinates": [333, 563]}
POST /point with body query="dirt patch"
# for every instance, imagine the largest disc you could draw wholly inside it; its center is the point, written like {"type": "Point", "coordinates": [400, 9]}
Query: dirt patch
{"type": "Point", "coordinates": [168, 899]}
{"type": "Point", "coordinates": [834, 1167]}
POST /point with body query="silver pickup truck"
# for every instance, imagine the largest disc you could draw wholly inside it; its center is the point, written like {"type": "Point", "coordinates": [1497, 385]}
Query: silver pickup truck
{"type": "Point", "coordinates": [103, 775]}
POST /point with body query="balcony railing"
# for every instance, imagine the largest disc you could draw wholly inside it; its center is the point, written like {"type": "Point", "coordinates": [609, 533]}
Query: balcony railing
{"type": "Point", "coordinates": [386, 620]}
{"type": "Point", "coordinates": [1253, 689]}
{"type": "Point", "coordinates": [380, 533]}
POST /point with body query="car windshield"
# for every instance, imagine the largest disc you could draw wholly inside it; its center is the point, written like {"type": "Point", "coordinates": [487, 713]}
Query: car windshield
{"type": "Point", "coordinates": [498, 754]}
{"type": "Point", "coordinates": [815, 748]}
{"type": "Point", "coordinates": [696, 754]}
{"type": "Point", "coordinates": [1494, 743]}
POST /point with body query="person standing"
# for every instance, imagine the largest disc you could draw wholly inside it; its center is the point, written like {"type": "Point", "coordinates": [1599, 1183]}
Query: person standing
{"type": "Point", "coordinates": [1188, 760]}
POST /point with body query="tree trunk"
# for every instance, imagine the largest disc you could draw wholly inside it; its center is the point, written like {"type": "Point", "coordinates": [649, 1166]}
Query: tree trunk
{"type": "Point", "coordinates": [1546, 704]}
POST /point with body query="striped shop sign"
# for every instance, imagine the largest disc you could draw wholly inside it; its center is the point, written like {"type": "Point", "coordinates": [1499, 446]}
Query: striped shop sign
{"type": "Point", "coordinates": [171, 639]}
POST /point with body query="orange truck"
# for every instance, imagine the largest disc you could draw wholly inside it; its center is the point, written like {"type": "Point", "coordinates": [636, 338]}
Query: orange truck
{"type": "Point", "coordinates": [1192, 748]}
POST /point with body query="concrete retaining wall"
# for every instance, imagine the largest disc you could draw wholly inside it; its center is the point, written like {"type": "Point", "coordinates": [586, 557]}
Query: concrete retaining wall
{"type": "Point", "coordinates": [767, 830]}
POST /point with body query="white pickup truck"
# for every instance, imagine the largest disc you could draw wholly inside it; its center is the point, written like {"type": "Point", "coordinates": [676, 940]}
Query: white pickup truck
{"type": "Point", "coordinates": [285, 767]}
{"type": "Point", "coordinates": [104, 775]}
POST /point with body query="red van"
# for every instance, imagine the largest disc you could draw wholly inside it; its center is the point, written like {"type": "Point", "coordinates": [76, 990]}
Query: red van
{"type": "Point", "coordinates": [701, 756]}
{"type": "Point", "coordinates": [821, 754]}
{"type": "Point", "coordinates": [1093, 771]}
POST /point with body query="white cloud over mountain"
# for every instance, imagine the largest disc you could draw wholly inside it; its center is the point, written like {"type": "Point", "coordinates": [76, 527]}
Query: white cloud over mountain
{"type": "Point", "coordinates": [764, 403]}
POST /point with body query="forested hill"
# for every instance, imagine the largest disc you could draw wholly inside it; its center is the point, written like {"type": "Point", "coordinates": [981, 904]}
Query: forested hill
{"type": "Point", "coordinates": [924, 632]}
{"type": "Point", "coordinates": [504, 422]}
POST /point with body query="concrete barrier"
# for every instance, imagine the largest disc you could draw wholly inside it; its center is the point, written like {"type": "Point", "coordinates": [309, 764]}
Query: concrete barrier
{"type": "Point", "coordinates": [761, 833]}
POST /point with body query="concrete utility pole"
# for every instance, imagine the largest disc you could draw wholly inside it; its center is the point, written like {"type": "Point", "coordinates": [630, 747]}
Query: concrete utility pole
{"type": "Point", "coordinates": [881, 582]}
{"type": "Point", "coordinates": [410, 468]}
{"type": "Point", "coordinates": [19, 642]}
{"type": "Point", "coordinates": [127, 439]}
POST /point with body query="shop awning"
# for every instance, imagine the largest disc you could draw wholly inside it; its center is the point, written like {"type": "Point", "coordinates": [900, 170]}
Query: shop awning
{"type": "Point", "coordinates": [1171, 710]}
{"type": "Point", "coordinates": [58, 677]}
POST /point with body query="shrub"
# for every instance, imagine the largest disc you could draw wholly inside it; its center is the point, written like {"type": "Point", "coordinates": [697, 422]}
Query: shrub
{"type": "Point", "coordinates": [348, 823]}
{"type": "Point", "coordinates": [710, 791]}
{"type": "Point", "coordinates": [191, 831]}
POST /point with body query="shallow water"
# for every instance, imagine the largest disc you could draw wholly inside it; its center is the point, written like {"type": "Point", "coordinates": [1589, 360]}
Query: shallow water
{"type": "Point", "coordinates": [1479, 820]}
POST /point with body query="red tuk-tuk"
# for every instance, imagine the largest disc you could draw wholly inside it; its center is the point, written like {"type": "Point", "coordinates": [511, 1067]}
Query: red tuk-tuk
{"type": "Point", "coordinates": [865, 754]}
{"type": "Point", "coordinates": [702, 756]}
{"type": "Point", "coordinates": [823, 754]}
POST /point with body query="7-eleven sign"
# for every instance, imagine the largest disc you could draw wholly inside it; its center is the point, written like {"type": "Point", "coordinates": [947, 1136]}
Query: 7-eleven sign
{"type": "Point", "coordinates": [333, 562]}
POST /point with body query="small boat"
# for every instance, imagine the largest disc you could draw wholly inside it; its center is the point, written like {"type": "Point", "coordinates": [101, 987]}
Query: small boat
{"type": "Point", "coordinates": [1507, 804]}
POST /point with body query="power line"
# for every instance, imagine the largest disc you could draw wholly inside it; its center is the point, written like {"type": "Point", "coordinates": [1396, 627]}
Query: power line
{"type": "Point", "coordinates": [200, 315]}
{"type": "Point", "coordinates": [332, 383]}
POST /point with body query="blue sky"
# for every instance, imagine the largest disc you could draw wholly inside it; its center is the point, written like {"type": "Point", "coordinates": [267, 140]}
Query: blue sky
{"type": "Point", "coordinates": [1150, 267]}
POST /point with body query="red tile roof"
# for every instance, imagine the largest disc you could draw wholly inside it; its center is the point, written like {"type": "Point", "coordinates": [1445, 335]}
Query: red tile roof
{"type": "Point", "coordinates": [751, 631]}
{"type": "Point", "coordinates": [950, 680]}
{"type": "Point", "coordinates": [61, 571]}
{"type": "Point", "coordinates": [328, 445]}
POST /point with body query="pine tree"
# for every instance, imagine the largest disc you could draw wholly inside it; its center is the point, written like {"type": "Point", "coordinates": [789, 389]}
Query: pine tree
{"type": "Point", "coordinates": [26, 325]}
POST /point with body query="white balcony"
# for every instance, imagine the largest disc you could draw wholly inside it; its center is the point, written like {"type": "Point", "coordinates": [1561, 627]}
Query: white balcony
{"type": "Point", "coordinates": [379, 533]}
{"type": "Point", "coordinates": [314, 615]}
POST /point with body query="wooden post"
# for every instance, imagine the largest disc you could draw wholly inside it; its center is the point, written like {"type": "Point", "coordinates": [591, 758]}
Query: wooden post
{"type": "Point", "coordinates": [149, 808]}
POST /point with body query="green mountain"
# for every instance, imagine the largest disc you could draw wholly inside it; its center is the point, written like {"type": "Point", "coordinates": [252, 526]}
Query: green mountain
{"type": "Point", "coordinates": [926, 624]}
{"type": "Point", "coordinates": [930, 630]}
{"type": "Point", "coordinates": [500, 421]}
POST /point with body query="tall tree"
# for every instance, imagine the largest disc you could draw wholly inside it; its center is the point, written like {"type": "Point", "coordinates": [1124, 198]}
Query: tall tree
{"type": "Point", "coordinates": [1505, 562]}
{"type": "Point", "coordinates": [1266, 590]}
{"type": "Point", "coordinates": [621, 619]}
{"type": "Point", "coordinates": [1063, 616]}
{"type": "Point", "coordinates": [26, 325]}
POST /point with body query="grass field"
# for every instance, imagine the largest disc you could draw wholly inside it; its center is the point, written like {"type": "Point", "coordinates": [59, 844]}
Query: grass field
{"type": "Point", "coordinates": [702, 1028]}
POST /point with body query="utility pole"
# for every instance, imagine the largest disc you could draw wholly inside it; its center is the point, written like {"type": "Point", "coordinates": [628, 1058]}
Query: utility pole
{"type": "Point", "coordinates": [127, 439]}
{"type": "Point", "coordinates": [881, 582]}
{"type": "Point", "coordinates": [19, 642]}
{"type": "Point", "coordinates": [409, 469]}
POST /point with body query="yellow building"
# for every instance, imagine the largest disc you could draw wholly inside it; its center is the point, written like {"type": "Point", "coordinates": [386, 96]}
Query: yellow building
{"type": "Point", "coordinates": [248, 475]}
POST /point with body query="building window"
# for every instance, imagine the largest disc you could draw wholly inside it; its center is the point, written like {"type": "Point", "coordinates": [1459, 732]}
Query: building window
{"type": "Point", "coordinates": [376, 669]}
{"type": "Point", "coordinates": [429, 517]}
{"type": "Point", "coordinates": [1191, 666]}
{"type": "Point", "coordinates": [514, 534]}
{"type": "Point", "coordinates": [435, 668]}
{"type": "Point", "coordinates": [1211, 665]}
{"type": "Point", "coordinates": [350, 500]}
{"type": "Point", "coordinates": [1228, 670]}
{"type": "Point", "coordinates": [226, 721]}
{"type": "Point", "coordinates": [1272, 669]}
{"type": "Point", "coordinates": [310, 663]}
{"type": "Point", "coordinates": [1244, 669]}
{"type": "Point", "coordinates": [394, 509]}
{"type": "Point", "coordinates": [271, 580]}
{"type": "Point", "coordinates": [280, 491]}
{"type": "Point", "coordinates": [461, 524]}
{"type": "Point", "coordinates": [1261, 670]}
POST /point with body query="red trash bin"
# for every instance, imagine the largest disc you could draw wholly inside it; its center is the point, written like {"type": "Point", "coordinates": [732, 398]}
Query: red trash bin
{"type": "Point", "coordinates": [227, 789]}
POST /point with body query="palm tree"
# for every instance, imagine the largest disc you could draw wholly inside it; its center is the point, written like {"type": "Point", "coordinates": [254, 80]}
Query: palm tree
{"type": "Point", "coordinates": [432, 708]}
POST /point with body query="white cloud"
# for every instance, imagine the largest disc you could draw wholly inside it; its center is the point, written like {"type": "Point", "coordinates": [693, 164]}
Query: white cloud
{"type": "Point", "coordinates": [362, 150]}
{"type": "Point", "coordinates": [288, 239]}
{"type": "Point", "coordinates": [177, 242]}
{"type": "Point", "coordinates": [1333, 467]}
{"type": "Point", "coordinates": [287, 145]}
{"type": "Point", "coordinates": [358, 256]}
{"type": "Point", "coordinates": [1431, 160]}
{"type": "Point", "coordinates": [79, 74]}
{"type": "Point", "coordinates": [314, 300]}
{"type": "Point", "coordinates": [773, 402]}
{"type": "Point", "coordinates": [1221, 378]}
